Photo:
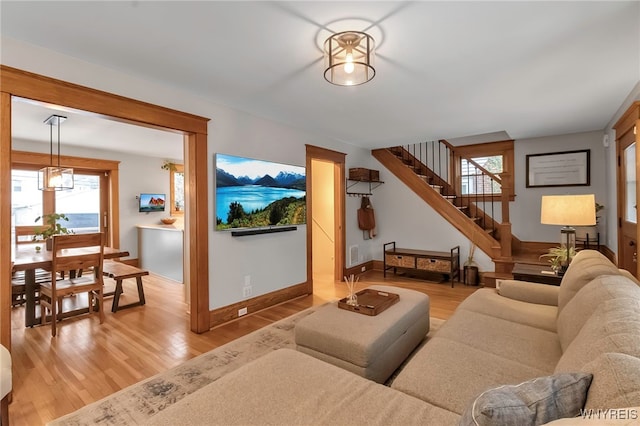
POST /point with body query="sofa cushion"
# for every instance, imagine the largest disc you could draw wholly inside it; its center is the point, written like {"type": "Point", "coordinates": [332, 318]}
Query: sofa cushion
{"type": "Point", "coordinates": [616, 381]}
{"type": "Point", "coordinates": [585, 266]}
{"type": "Point", "coordinates": [488, 301]}
{"type": "Point", "coordinates": [578, 310]}
{"type": "Point", "coordinates": [521, 343]}
{"type": "Point", "coordinates": [535, 293]}
{"type": "Point", "coordinates": [286, 387]}
{"type": "Point", "coordinates": [534, 402]}
{"type": "Point", "coordinates": [613, 327]}
{"type": "Point", "coordinates": [450, 374]}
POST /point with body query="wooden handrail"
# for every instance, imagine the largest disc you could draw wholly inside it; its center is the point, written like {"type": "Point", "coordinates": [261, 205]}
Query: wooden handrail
{"type": "Point", "coordinates": [484, 171]}
{"type": "Point", "coordinates": [453, 180]}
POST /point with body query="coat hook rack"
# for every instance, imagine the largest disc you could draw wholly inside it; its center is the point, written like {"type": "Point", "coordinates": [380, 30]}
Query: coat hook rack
{"type": "Point", "coordinates": [372, 185]}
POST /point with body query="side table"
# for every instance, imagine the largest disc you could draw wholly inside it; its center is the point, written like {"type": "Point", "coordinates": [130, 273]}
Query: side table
{"type": "Point", "coordinates": [542, 274]}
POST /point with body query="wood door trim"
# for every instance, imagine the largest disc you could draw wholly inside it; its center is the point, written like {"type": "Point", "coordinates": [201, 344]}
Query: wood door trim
{"type": "Point", "coordinates": [629, 121]}
{"type": "Point", "coordinates": [5, 219]}
{"type": "Point", "coordinates": [15, 82]}
{"type": "Point", "coordinates": [338, 158]}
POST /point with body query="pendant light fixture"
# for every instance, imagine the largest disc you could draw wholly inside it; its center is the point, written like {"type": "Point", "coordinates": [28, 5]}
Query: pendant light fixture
{"type": "Point", "coordinates": [54, 177]}
{"type": "Point", "coordinates": [349, 58]}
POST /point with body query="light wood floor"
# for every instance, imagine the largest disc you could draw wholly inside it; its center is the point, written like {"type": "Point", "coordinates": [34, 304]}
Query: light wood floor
{"type": "Point", "coordinates": [88, 361]}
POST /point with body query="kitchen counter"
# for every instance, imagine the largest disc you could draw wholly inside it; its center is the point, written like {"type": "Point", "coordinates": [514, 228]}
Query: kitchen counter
{"type": "Point", "coordinates": [161, 250]}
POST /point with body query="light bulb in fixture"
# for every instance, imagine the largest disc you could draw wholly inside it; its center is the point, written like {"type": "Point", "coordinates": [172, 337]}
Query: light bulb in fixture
{"type": "Point", "coordinates": [55, 180]}
{"type": "Point", "coordinates": [349, 58]}
{"type": "Point", "coordinates": [348, 64]}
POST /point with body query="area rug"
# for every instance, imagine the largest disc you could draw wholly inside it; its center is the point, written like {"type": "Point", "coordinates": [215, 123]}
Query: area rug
{"type": "Point", "coordinates": [137, 403]}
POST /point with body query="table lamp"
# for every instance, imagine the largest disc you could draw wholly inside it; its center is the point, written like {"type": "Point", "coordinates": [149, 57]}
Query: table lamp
{"type": "Point", "coordinates": [568, 211]}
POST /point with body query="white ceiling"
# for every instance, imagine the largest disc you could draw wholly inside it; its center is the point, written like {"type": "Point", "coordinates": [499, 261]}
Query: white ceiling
{"type": "Point", "coordinates": [443, 69]}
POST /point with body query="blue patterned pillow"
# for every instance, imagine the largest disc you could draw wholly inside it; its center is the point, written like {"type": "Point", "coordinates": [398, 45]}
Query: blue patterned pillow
{"type": "Point", "coordinates": [534, 402]}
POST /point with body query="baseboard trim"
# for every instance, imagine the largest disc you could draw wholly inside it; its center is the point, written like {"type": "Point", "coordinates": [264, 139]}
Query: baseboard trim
{"type": "Point", "coordinates": [356, 270]}
{"type": "Point", "coordinates": [229, 313]}
{"type": "Point", "coordinates": [378, 265]}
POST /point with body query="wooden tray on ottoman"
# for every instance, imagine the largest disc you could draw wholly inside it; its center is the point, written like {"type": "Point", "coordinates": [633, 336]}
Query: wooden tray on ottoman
{"type": "Point", "coordinates": [370, 302]}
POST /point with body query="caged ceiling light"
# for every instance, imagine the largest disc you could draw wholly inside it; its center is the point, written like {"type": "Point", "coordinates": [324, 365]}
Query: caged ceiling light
{"type": "Point", "coordinates": [55, 177]}
{"type": "Point", "coordinates": [349, 58]}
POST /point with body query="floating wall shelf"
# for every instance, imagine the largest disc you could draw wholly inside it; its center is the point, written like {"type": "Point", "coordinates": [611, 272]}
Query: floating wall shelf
{"type": "Point", "coordinates": [372, 184]}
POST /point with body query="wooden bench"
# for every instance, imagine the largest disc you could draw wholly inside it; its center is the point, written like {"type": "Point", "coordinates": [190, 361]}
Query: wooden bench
{"type": "Point", "coordinates": [121, 271]}
{"type": "Point", "coordinates": [446, 263]}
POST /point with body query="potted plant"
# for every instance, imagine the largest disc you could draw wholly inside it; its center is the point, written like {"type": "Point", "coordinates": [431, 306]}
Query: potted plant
{"type": "Point", "coordinates": [559, 258]}
{"type": "Point", "coordinates": [168, 165]}
{"type": "Point", "coordinates": [470, 268]}
{"type": "Point", "coordinates": [53, 227]}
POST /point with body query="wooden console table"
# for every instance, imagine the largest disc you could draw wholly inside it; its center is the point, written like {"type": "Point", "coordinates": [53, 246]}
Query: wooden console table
{"type": "Point", "coordinates": [446, 263]}
{"type": "Point", "coordinates": [535, 273]}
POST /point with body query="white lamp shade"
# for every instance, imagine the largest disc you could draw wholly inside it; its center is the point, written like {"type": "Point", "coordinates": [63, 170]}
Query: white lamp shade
{"type": "Point", "coordinates": [568, 210]}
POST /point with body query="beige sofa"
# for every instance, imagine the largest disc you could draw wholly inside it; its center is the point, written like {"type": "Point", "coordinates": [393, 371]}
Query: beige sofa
{"type": "Point", "coordinates": [589, 326]}
{"type": "Point", "coordinates": [5, 384]}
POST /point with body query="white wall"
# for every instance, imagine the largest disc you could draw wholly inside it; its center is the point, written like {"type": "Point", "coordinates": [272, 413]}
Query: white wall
{"type": "Point", "coordinates": [525, 211]}
{"type": "Point", "coordinates": [273, 261]}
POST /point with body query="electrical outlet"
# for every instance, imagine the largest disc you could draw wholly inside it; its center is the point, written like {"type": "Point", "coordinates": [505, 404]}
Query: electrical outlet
{"type": "Point", "coordinates": [242, 312]}
{"type": "Point", "coordinates": [247, 291]}
{"type": "Point", "coordinates": [247, 280]}
{"type": "Point", "coordinates": [364, 268]}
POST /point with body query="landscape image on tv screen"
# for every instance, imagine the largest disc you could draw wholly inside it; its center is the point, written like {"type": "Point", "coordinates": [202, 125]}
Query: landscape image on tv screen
{"type": "Point", "coordinates": [256, 194]}
{"type": "Point", "coordinates": [152, 202]}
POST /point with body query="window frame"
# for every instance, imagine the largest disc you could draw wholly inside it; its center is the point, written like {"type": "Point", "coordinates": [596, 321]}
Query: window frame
{"type": "Point", "coordinates": [176, 168]}
{"type": "Point", "coordinates": [489, 149]}
{"type": "Point", "coordinates": [109, 193]}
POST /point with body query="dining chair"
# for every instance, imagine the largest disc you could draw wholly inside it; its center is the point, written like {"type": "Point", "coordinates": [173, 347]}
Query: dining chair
{"type": "Point", "coordinates": [24, 235]}
{"type": "Point", "coordinates": [74, 252]}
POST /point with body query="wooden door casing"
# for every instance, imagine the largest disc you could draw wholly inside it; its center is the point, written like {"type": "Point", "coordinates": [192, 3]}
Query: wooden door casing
{"type": "Point", "coordinates": [627, 136]}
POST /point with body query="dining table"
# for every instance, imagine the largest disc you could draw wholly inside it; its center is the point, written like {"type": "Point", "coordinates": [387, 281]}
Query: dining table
{"type": "Point", "coordinates": [25, 257]}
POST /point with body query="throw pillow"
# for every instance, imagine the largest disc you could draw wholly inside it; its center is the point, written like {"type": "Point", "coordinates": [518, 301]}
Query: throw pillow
{"type": "Point", "coordinates": [534, 402]}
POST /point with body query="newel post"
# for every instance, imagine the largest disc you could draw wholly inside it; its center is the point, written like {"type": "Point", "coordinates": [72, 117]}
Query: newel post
{"type": "Point", "coordinates": [505, 226]}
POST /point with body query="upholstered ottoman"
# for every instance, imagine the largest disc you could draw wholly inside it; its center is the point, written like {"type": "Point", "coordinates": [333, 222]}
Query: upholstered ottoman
{"type": "Point", "coordinates": [370, 346]}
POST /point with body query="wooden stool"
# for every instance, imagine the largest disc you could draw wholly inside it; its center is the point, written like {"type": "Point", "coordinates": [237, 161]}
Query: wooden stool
{"type": "Point", "coordinates": [121, 271]}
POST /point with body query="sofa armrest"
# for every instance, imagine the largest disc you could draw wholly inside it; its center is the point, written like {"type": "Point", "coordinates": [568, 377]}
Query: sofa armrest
{"type": "Point", "coordinates": [541, 294]}
{"type": "Point", "coordinates": [5, 384]}
{"type": "Point", "coordinates": [5, 372]}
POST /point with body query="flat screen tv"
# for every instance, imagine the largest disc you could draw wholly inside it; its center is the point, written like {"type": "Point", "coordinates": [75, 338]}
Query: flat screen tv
{"type": "Point", "coordinates": [151, 202]}
{"type": "Point", "coordinates": [258, 194]}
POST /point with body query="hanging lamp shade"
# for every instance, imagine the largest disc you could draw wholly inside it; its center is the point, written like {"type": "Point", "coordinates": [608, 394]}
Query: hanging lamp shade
{"type": "Point", "coordinates": [349, 58]}
{"type": "Point", "coordinates": [55, 177]}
